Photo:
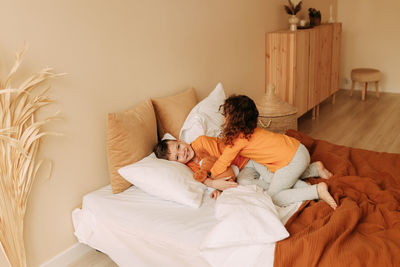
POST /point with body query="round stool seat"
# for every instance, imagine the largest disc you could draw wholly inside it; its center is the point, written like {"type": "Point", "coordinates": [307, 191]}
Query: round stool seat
{"type": "Point", "coordinates": [365, 75]}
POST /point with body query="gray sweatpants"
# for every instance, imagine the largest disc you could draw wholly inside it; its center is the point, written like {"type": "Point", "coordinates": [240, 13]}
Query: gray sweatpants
{"type": "Point", "coordinates": [285, 185]}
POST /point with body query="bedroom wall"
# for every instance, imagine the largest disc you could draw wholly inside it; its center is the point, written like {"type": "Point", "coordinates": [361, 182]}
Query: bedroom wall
{"type": "Point", "coordinates": [371, 39]}
{"type": "Point", "coordinates": [116, 54]}
{"type": "Point", "coordinates": [3, 258]}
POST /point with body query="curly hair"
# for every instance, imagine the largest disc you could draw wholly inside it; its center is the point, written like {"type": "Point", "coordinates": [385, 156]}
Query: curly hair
{"type": "Point", "coordinates": [241, 116]}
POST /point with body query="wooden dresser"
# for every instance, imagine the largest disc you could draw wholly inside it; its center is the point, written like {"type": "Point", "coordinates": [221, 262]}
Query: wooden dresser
{"type": "Point", "coordinates": [304, 65]}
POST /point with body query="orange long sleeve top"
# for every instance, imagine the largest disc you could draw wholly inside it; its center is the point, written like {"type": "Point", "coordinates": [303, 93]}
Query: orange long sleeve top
{"type": "Point", "coordinates": [270, 149]}
{"type": "Point", "coordinates": [215, 147]}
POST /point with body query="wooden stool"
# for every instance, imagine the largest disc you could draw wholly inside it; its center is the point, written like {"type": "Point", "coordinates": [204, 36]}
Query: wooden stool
{"type": "Point", "coordinates": [364, 76]}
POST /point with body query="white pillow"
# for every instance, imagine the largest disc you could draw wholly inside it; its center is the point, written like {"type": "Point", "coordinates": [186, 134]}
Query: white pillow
{"type": "Point", "coordinates": [205, 118]}
{"type": "Point", "coordinates": [165, 179]}
{"type": "Point", "coordinates": [168, 136]}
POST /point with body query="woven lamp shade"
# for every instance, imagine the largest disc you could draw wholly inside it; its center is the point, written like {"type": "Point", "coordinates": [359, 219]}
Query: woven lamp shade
{"type": "Point", "coordinates": [275, 114]}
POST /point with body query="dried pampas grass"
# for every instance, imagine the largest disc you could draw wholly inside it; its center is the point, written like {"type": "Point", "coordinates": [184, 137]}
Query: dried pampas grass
{"type": "Point", "coordinates": [20, 134]}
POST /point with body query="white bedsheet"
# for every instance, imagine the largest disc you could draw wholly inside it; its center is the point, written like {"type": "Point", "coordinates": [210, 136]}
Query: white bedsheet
{"type": "Point", "coordinates": [136, 229]}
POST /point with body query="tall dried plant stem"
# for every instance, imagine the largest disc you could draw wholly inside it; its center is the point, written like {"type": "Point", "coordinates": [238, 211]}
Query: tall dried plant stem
{"type": "Point", "coordinates": [20, 134]}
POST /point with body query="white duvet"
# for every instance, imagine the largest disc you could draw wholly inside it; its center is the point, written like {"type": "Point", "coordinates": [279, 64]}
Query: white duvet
{"type": "Point", "coordinates": [249, 225]}
{"type": "Point", "coordinates": [136, 229]}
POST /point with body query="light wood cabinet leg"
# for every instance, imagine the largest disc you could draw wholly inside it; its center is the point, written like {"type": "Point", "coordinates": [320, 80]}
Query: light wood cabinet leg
{"type": "Point", "coordinates": [317, 111]}
{"type": "Point", "coordinates": [333, 98]}
{"type": "Point", "coordinates": [313, 113]}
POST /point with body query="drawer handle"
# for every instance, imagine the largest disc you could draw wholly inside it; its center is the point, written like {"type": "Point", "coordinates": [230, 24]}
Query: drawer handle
{"type": "Point", "coordinates": [265, 126]}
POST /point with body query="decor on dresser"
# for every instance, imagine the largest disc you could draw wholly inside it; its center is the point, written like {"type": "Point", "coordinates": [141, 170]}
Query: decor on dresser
{"type": "Point", "coordinates": [315, 16]}
{"type": "Point", "coordinates": [292, 9]}
{"type": "Point", "coordinates": [331, 20]}
{"type": "Point", "coordinates": [20, 134]}
{"type": "Point", "coordinates": [276, 115]}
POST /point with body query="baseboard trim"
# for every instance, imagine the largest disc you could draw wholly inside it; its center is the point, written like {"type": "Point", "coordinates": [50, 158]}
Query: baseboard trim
{"type": "Point", "coordinates": [68, 256]}
{"type": "Point", "coordinates": [372, 88]}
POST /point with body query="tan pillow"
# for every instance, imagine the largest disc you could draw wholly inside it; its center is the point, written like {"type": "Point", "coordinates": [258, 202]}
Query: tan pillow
{"type": "Point", "coordinates": [172, 111]}
{"type": "Point", "coordinates": [131, 136]}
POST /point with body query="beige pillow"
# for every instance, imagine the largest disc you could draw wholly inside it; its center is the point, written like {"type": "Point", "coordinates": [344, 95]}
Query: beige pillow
{"type": "Point", "coordinates": [131, 136]}
{"type": "Point", "coordinates": [172, 111]}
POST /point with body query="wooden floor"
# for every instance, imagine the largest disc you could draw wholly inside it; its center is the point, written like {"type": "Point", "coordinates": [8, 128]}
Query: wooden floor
{"type": "Point", "coordinates": [94, 259]}
{"type": "Point", "coordinates": [373, 124]}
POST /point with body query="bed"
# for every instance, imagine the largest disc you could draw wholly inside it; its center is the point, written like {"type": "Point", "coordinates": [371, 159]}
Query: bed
{"type": "Point", "coordinates": [136, 229]}
{"type": "Point", "coordinates": [139, 228]}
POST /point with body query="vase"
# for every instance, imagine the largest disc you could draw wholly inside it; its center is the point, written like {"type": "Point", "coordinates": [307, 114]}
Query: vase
{"type": "Point", "coordinates": [315, 21]}
{"type": "Point", "coordinates": [293, 20]}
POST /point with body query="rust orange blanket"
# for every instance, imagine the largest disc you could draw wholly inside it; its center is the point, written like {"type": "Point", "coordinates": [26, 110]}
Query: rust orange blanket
{"type": "Point", "coordinates": [365, 228]}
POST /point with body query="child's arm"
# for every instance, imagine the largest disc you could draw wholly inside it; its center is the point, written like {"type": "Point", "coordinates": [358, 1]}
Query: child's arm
{"type": "Point", "coordinates": [227, 176]}
{"type": "Point", "coordinates": [202, 174]}
{"type": "Point", "coordinates": [228, 155]}
{"type": "Point", "coordinates": [228, 173]}
{"type": "Point", "coordinates": [220, 184]}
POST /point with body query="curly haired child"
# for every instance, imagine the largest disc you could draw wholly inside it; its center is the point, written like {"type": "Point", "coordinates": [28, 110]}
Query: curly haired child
{"type": "Point", "coordinates": [281, 161]}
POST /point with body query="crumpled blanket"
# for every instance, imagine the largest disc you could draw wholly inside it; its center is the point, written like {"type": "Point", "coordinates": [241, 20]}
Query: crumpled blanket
{"type": "Point", "coordinates": [248, 226]}
{"type": "Point", "coordinates": [365, 228]}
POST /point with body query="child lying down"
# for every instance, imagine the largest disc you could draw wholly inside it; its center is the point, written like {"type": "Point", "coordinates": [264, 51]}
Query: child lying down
{"type": "Point", "coordinates": [200, 156]}
{"type": "Point", "coordinates": [211, 148]}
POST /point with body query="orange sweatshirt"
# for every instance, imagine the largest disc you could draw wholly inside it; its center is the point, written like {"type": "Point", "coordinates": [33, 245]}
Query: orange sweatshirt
{"type": "Point", "coordinates": [270, 149]}
{"type": "Point", "coordinates": [215, 147]}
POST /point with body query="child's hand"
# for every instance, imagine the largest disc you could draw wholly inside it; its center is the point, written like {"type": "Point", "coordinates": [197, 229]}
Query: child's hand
{"type": "Point", "coordinates": [222, 183]}
{"type": "Point", "coordinates": [215, 194]}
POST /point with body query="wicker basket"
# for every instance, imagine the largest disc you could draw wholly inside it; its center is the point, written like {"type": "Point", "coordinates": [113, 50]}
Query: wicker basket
{"type": "Point", "coordinates": [276, 115]}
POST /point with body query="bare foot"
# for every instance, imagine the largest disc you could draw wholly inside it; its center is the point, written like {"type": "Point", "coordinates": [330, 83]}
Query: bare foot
{"type": "Point", "coordinates": [322, 172]}
{"type": "Point", "coordinates": [324, 194]}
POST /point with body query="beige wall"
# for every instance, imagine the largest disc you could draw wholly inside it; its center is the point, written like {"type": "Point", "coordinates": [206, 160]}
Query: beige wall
{"type": "Point", "coordinates": [117, 53]}
{"type": "Point", "coordinates": [371, 38]}
{"type": "Point", "coordinates": [3, 258]}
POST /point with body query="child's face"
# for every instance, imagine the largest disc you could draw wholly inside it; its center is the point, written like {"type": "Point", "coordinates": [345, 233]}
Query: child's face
{"type": "Point", "coordinates": [180, 151]}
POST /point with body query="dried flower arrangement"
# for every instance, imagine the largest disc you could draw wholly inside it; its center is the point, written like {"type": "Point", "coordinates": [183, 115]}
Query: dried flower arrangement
{"type": "Point", "coordinates": [20, 133]}
{"type": "Point", "coordinates": [294, 7]}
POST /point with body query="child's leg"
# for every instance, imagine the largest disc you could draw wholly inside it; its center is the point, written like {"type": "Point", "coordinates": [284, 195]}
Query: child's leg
{"type": "Point", "coordinates": [250, 174]}
{"type": "Point", "coordinates": [287, 198]}
{"type": "Point", "coordinates": [300, 184]}
{"type": "Point", "coordinates": [311, 171]}
{"type": "Point", "coordinates": [299, 192]}
{"type": "Point", "coordinates": [286, 188]}
{"type": "Point", "coordinates": [302, 191]}
{"type": "Point", "coordinates": [295, 194]}
{"type": "Point", "coordinates": [265, 174]}
{"type": "Point", "coordinates": [316, 169]}
{"type": "Point", "coordinates": [287, 176]}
